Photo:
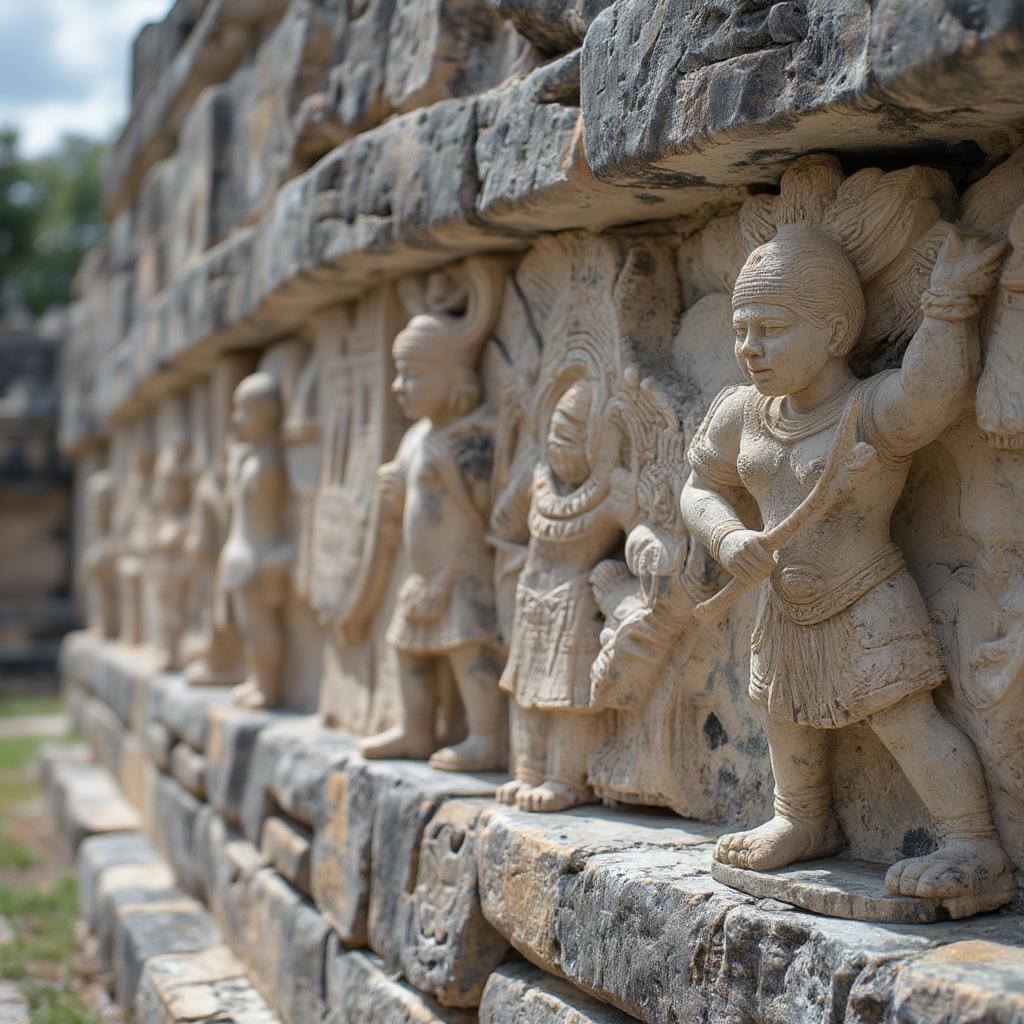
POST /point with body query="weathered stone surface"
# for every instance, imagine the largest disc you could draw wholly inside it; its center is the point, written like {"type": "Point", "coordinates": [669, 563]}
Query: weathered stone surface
{"type": "Point", "coordinates": [287, 954]}
{"type": "Point", "coordinates": [450, 948]}
{"type": "Point", "coordinates": [522, 994]}
{"type": "Point", "coordinates": [361, 991]}
{"type": "Point", "coordinates": [189, 768]}
{"type": "Point", "coordinates": [87, 802]}
{"type": "Point", "coordinates": [137, 775]}
{"type": "Point", "coordinates": [199, 987]}
{"type": "Point", "coordinates": [53, 754]}
{"type": "Point", "coordinates": [159, 741]}
{"type": "Point", "coordinates": [707, 93]}
{"type": "Point", "coordinates": [289, 770]}
{"type": "Point", "coordinates": [285, 844]}
{"type": "Point", "coordinates": [175, 815]}
{"type": "Point", "coordinates": [103, 732]}
{"type": "Point", "coordinates": [231, 743]}
{"type": "Point", "coordinates": [143, 931]}
{"type": "Point", "coordinates": [364, 850]}
{"type": "Point", "coordinates": [185, 710]}
{"type": "Point", "coordinates": [99, 853]}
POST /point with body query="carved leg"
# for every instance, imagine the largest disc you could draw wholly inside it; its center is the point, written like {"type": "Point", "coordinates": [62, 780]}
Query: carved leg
{"type": "Point", "coordinates": [413, 735]}
{"type": "Point", "coordinates": [485, 748]}
{"type": "Point", "coordinates": [570, 740]}
{"type": "Point", "coordinates": [804, 827]}
{"type": "Point", "coordinates": [263, 630]}
{"type": "Point", "coordinates": [530, 749]}
{"type": "Point", "coordinates": [970, 871]}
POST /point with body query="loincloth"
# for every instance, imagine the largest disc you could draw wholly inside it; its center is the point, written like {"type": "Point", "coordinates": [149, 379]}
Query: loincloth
{"type": "Point", "coordinates": [830, 655]}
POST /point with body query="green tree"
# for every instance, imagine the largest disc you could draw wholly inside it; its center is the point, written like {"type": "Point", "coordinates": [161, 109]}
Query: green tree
{"type": "Point", "coordinates": [50, 216]}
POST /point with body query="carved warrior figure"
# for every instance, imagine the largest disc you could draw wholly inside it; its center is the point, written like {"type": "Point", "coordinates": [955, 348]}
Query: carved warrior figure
{"type": "Point", "coordinates": [171, 487]}
{"type": "Point", "coordinates": [438, 489]}
{"type": "Point", "coordinates": [843, 634]}
{"type": "Point", "coordinates": [100, 559]}
{"type": "Point", "coordinates": [253, 567]}
{"type": "Point", "coordinates": [598, 484]}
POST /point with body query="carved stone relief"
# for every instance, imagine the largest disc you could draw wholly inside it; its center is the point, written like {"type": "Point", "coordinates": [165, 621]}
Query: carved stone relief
{"type": "Point", "coordinates": [100, 554]}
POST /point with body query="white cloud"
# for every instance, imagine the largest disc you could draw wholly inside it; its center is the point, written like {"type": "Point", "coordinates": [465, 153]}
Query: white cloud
{"type": "Point", "coordinates": [77, 56]}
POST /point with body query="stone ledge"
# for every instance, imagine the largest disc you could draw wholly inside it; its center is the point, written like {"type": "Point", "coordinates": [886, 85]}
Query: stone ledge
{"type": "Point", "coordinates": [522, 994]}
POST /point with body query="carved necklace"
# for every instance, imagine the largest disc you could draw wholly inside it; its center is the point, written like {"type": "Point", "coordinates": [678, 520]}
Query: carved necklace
{"type": "Point", "coordinates": [791, 429]}
{"type": "Point", "coordinates": [556, 516]}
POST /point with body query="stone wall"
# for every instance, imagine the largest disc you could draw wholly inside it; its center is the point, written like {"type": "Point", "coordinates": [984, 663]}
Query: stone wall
{"type": "Point", "coordinates": [306, 584]}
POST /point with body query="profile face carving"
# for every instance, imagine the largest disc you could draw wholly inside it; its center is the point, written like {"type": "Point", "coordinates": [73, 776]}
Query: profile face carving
{"type": "Point", "coordinates": [422, 387]}
{"type": "Point", "coordinates": [797, 305]}
{"type": "Point", "coordinates": [567, 435]}
{"type": "Point", "coordinates": [257, 408]}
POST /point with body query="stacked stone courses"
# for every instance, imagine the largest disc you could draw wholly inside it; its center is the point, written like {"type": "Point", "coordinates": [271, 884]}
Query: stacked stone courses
{"type": "Point", "coordinates": [468, 557]}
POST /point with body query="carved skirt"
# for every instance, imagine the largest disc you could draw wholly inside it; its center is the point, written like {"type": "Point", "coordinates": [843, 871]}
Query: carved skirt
{"type": "Point", "coordinates": [443, 611]}
{"type": "Point", "coordinates": [835, 657]}
{"type": "Point", "coordinates": [555, 638]}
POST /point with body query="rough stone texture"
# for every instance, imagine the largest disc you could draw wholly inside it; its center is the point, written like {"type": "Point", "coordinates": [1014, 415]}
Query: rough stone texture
{"type": "Point", "coordinates": [229, 751]}
{"type": "Point", "coordinates": [285, 844]}
{"type": "Point", "coordinates": [99, 853]}
{"type": "Point", "coordinates": [185, 710]}
{"type": "Point", "coordinates": [360, 991]}
{"type": "Point", "coordinates": [189, 768]}
{"type": "Point", "coordinates": [137, 775]}
{"type": "Point", "coordinates": [200, 987]}
{"type": "Point", "coordinates": [86, 803]}
{"type": "Point", "coordinates": [450, 948]}
{"type": "Point", "coordinates": [365, 848]}
{"type": "Point", "coordinates": [175, 816]}
{"type": "Point", "coordinates": [288, 947]}
{"type": "Point", "coordinates": [521, 994]}
{"type": "Point", "coordinates": [705, 93]}
{"type": "Point", "coordinates": [158, 741]}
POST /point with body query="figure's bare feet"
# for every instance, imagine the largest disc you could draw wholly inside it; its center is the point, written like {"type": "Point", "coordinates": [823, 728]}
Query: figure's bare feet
{"type": "Point", "coordinates": [508, 793]}
{"type": "Point", "coordinates": [473, 754]}
{"type": "Point", "coordinates": [779, 842]}
{"type": "Point", "coordinates": [553, 796]}
{"type": "Point", "coordinates": [397, 743]}
{"type": "Point", "coordinates": [199, 673]}
{"type": "Point", "coordinates": [249, 695]}
{"type": "Point", "coordinates": [968, 875]}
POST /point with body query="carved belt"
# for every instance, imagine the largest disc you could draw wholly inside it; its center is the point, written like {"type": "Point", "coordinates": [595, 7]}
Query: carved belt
{"type": "Point", "coordinates": [805, 595]}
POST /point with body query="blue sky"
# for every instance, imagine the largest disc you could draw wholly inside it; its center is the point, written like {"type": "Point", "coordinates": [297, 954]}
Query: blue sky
{"type": "Point", "coordinates": [65, 65]}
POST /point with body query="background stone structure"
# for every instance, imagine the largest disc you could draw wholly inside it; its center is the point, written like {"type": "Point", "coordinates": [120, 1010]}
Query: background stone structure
{"type": "Point", "coordinates": [298, 179]}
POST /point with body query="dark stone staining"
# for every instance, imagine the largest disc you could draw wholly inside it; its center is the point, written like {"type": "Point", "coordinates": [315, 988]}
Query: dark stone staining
{"type": "Point", "coordinates": [474, 456]}
{"type": "Point", "coordinates": [918, 842]}
{"type": "Point", "coordinates": [714, 732]}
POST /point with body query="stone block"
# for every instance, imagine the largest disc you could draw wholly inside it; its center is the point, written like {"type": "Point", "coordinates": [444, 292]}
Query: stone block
{"type": "Point", "coordinates": [54, 753]}
{"type": "Point", "coordinates": [521, 994]}
{"type": "Point", "coordinates": [188, 988]}
{"type": "Point", "coordinates": [99, 853]}
{"type": "Point", "coordinates": [143, 931]}
{"type": "Point", "coordinates": [158, 741]}
{"type": "Point", "coordinates": [287, 955]}
{"type": "Point", "coordinates": [374, 816]}
{"type": "Point", "coordinates": [137, 775]}
{"type": "Point", "coordinates": [87, 803]}
{"type": "Point", "coordinates": [740, 92]}
{"type": "Point", "coordinates": [189, 768]}
{"type": "Point", "coordinates": [185, 710]}
{"type": "Point", "coordinates": [361, 991]}
{"type": "Point", "coordinates": [103, 732]}
{"type": "Point", "coordinates": [289, 770]}
{"type": "Point", "coordinates": [175, 813]}
{"type": "Point", "coordinates": [231, 743]}
{"type": "Point", "coordinates": [449, 947]}
{"type": "Point", "coordinates": [285, 844]}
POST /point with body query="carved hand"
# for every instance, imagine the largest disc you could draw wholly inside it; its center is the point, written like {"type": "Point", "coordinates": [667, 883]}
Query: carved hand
{"type": "Point", "coordinates": [966, 264]}
{"type": "Point", "coordinates": [744, 555]}
{"type": "Point", "coordinates": [391, 484]}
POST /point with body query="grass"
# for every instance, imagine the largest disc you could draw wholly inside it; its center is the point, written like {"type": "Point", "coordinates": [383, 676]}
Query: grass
{"type": "Point", "coordinates": [16, 707]}
{"type": "Point", "coordinates": [42, 914]}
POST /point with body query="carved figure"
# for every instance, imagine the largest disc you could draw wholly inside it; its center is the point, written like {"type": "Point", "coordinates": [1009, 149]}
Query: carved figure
{"type": "Point", "coordinates": [171, 479]}
{"type": "Point", "coordinates": [134, 529]}
{"type": "Point", "coordinates": [100, 558]}
{"type": "Point", "coordinates": [843, 634]}
{"type": "Point", "coordinates": [254, 562]}
{"type": "Point", "coordinates": [601, 480]}
{"type": "Point", "coordinates": [438, 489]}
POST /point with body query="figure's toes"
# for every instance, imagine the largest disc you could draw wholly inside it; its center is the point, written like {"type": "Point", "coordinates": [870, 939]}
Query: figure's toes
{"type": "Point", "coordinates": [911, 875]}
{"type": "Point", "coordinates": [941, 881]}
{"type": "Point", "coordinates": [893, 876]}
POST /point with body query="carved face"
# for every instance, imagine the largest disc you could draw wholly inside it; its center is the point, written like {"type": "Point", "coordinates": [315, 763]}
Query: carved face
{"type": "Point", "coordinates": [781, 351]}
{"type": "Point", "coordinates": [254, 418]}
{"type": "Point", "coordinates": [422, 387]}
{"type": "Point", "coordinates": [567, 437]}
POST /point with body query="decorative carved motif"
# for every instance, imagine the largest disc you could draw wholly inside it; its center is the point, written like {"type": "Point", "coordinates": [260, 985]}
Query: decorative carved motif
{"type": "Point", "coordinates": [843, 635]}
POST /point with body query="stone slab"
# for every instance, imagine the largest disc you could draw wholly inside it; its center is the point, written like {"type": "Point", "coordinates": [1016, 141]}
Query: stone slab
{"type": "Point", "coordinates": [289, 771]}
{"type": "Point", "coordinates": [191, 988]}
{"type": "Point", "coordinates": [287, 950]}
{"type": "Point", "coordinates": [176, 812]}
{"type": "Point", "coordinates": [836, 887]}
{"type": "Point", "coordinates": [285, 844]}
{"type": "Point", "coordinates": [87, 802]}
{"type": "Point", "coordinates": [103, 731]}
{"type": "Point", "coordinates": [522, 994]}
{"type": "Point", "coordinates": [52, 754]}
{"type": "Point", "coordinates": [137, 775]}
{"type": "Point", "coordinates": [98, 854]}
{"type": "Point", "coordinates": [361, 869]}
{"type": "Point", "coordinates": [185, 710]}
{"type": "Point", "coordinates": [189, 768]}
{"type": "Point", "coordinates": [361, 991]}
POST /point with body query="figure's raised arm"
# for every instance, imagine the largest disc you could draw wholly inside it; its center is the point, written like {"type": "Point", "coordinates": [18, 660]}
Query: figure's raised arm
{"type": "Point", "coordinates": [912, 407]}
